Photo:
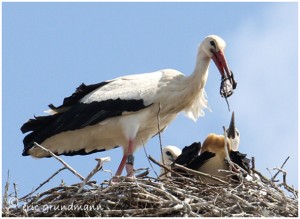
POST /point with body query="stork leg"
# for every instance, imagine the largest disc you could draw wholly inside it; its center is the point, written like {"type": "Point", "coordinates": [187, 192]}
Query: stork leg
{"type": "Point", "coordinates": [121, 166]}
{"type": "Point", "coordinates": [128, 160]}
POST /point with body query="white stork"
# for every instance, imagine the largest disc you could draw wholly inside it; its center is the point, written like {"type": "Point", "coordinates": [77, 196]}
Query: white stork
{"type": "Point", "coordinates": [123, 111]}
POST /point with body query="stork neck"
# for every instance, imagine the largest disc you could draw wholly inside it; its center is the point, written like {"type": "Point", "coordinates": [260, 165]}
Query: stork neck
{"type": "Point", "coordinates": [199, 76]}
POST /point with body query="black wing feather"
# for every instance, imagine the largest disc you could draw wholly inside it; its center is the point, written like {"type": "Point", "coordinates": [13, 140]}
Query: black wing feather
{"type": "Point", "coordinates": [79, 93]}
{"type": "Point", "coordinates": [188, 154]}
{"type": "Point", "coordinates": [240, 159]}
{"type": "Point", "coordinates": [72, 115]}
{"type": "Point", "coordinates": [200, 160]}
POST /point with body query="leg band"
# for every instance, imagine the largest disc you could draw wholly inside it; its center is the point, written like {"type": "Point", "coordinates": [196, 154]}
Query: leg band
{"type": "Point", "coordinates": [130, 159]}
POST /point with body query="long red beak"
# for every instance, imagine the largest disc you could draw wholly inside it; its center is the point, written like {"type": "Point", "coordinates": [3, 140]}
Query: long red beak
{"type": "Point", "coordinates": [221, 64]}
{"type": "Point", "coordinates": [228, 83]}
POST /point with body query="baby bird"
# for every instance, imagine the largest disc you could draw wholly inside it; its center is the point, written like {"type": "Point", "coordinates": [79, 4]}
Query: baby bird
{"type": "Point", "coordinates": [170, 153]}
{"type": "Point", "coordinates": [213, 156]}
{"type": "Point", "coordinates": [223, 156]}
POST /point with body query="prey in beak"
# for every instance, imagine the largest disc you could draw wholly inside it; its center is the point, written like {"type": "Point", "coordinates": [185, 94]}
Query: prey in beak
{"type": "Point", "coordinates": [228, 84]}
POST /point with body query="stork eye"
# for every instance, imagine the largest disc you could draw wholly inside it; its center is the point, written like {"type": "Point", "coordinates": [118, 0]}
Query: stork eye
{"type": "Point", "coordinates": [169, 153]}
{"type": "Point", "coordinates": [237, 132]}
{"type": "Point", "coordinates": [213, 44]}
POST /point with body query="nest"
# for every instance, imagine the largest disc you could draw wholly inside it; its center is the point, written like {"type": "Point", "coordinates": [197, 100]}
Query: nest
{"type": "Point", "coordinates": [179, 195]}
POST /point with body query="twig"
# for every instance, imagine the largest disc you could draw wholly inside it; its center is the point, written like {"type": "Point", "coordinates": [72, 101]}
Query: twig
{"type": "Point", "coordinates": [291, 189]}
{"type": "Point", "coordinates": [159, 135]}
{"type": "Point", "coordinates": [239, 199]}
{"type": "Point", "coordinates": [58, 171]}
{"type": "Point", "coordinates": [286, 186]}
{"type": "Point", "coordinates": [5, 197]}
{"type": "Point", "coordinates": [163, 166]}
{"type": "Point", "coordinates": [98, 167]}
{"type": "Point", "coordinates": [149, 161]}
{"type": "Point", "coordinates": [273, 178]}
{"type": "Point", "coordinates": [197, 173]}
{"type": "Point", "coordinates": [171, 197]}
{"type": "Point", "coordinates": [15, 189]}
{"type": "Point", "coordinates": [252, 163]}
{"type": "Point", "coordinates": [143, 212]}
{"type": "Point", "coordinates": [60, 160]}
{"type": "Point", "coordinates": [272, 184]}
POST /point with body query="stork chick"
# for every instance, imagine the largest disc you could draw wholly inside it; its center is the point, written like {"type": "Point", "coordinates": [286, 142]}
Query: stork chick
{"type": "Point", "coordinates": [215, 155]}
{"type": "Point", "coordinates": [170, 153]}
{"type": "Point", "coordinates": [222, 158]}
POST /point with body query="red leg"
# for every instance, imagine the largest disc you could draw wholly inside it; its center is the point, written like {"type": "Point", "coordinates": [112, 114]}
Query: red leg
{"type": "Point", "coordinates": [129, 166]}
{"type": "Point", "coordinates": [121, 166]}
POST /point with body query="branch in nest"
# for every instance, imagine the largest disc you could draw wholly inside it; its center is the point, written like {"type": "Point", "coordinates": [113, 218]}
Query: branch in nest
{"type": "Point", "coordinates": [273, 178]}
{"type": "Point", "coordinates": [60, 160]}
{"type": "Point", "coordinates": [272, 184]}
{"type": "Point", "coordinates": [252, 163]}
{"type": "Point", "coordinates": [5, 204]}
{"type": "Point", "coordinates": [159, 131]}
{"type": "Point", "coordinates": [286, 186]}
{"type": "Point", "coordinates": [148, 161]}
{"type": "Point", "coordinates": [98, 167]}
{"type": "Point", "coordinates": [197, 173]}
{"type": "Point", "coordinates": [144, 212]}
{"type": "Point", "coordinates": [163, 166]}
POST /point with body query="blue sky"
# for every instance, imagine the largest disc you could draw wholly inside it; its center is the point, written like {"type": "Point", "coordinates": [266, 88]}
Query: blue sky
{"type": "Point", "coordinates": [51, 48]}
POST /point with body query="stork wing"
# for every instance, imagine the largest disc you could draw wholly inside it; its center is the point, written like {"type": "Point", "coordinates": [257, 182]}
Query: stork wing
{"type": "Point", "coordinates": [91, 104]}
{"type": "Point", "coordinates": [240, 159]}
{"type": "Point", "coordinates": [188, 154]}
{"type": "Point", "coordinates": [200, 160]}
{"type": "Point", "coordinates": [131, 87]}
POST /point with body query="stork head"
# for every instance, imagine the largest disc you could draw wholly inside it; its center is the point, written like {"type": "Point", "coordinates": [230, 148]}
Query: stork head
{"type": "Point", "coordinates": [233, 135]}
{"type": "Point", "coordinates": [170, 153]}
{"type": "Point", "coordinates": [213, 46]}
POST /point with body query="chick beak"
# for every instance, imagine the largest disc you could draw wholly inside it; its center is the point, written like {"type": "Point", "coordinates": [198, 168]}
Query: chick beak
{"type": "Point", "coordinates": [231, 129]}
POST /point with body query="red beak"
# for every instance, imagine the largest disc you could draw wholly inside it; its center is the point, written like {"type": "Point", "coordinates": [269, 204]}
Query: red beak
{"type": "Point", "coordinates": [228, 83]}
{"type": "Point", "coordinates": [221, 64]}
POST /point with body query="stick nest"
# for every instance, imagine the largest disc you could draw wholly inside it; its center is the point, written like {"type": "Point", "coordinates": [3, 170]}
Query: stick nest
{"type": "Point", "coordinates": [174, 196]}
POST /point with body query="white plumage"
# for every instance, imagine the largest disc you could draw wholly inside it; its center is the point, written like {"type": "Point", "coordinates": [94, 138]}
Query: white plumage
{"type": "Point", "coordinates": [169, 155]}
{"type": "Point", "coordinates": [123, 111]}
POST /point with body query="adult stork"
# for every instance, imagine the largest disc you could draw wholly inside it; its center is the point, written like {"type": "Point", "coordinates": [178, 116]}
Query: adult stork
{"type": "Point", "coordinates": [123, 111]}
